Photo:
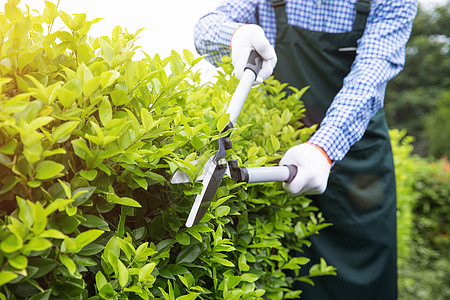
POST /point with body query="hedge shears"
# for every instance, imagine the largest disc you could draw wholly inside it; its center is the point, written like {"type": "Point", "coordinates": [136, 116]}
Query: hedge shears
{"type": "Point", "coordinates": [217, 166]}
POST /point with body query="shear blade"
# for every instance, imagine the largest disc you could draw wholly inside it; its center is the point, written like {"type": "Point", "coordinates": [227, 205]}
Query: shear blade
{"type": "Point", "coordinates": [182, 177]}
{"type": "Point", "coordinates": [211, 184]}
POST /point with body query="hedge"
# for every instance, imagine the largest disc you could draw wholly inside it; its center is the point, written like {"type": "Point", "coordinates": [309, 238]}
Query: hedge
{"type": "Point", "coordinates": [89, 139]}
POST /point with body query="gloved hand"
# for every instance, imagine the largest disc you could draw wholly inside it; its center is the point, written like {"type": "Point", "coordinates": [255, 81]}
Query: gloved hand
{"type": "Point", "coordinates": [313, 169]}
{"type": "Point", "coordinates": [246, 38]}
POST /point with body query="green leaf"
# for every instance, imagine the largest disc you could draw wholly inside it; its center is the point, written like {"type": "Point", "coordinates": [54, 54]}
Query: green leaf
{"type": "Point", "coordinates": [19, 262]}
{"type": "Point", "coordinates": [119, 97]}
{"type": "Point", "coordinates": [9, 147]}
{"type": "Point", "coordinates": [107, 292]}
{"type": "Point", "coordinates": [87, 237]}
{"type": "Point", "coordinates": [62, 133]}
{"type": "Point", "coordinates": [90, 86]}
{"type": "Point", "coordinates": [100, 280]}
{"type": "Point", "coordinates": [84, 55]}
{"type": "Point", "coordinates": [40, 218]}
{"type": "Point", "coordinates": [123, 274]}
{"type": "Point", "coordinates": [222, 211]}
{"type": "Point", "coordinates": [88, 174]}
{"type": "Point", "coordinates": [50, 12]}
{"type": "Point", "coordinates": [145, 272]}
{"type": "Point", "coordinates": [93, 221]}
{"type": "Point", "coordinates": [108, 78]}
{"type": "Point", "coordinates": [6, 277]}
{"type": "Point", "coordinates": [81, 149]}
{"type": "Point", "coordinates": [123, 201]}
{"type": "Point", "coordinates": [107, 50]}
{"type": "Point", "coordinates": [48, 169]}
{"type": "Point", "coordinates": [222, 122]}
{"type": "Point", "coordinates": [11, 244]}
{"type": "Point", "coordinates": [188, 56]}
{"type": "Point", "coordinates": [189, 254]}
{"type": "Point", "coordinates": [36, 244]}
{"type": "Point", "coordinates": [70, 265]}
{"type": "Point", "coordinates": [105, 111]}
{"type": "Point", "coordinates": [190, 296]}
{"type": "Point", "coordinates": [183, 238]}
{"type": "Point", "coordinates": [81, 195]}
{"type": "Point", "coordinates": [52, 234]}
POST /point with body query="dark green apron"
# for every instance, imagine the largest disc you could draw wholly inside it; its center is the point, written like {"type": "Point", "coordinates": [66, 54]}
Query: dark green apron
{"type": "Point", "coordinates": [360, 199]}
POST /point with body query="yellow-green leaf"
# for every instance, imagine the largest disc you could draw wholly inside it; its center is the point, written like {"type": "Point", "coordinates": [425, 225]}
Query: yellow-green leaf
{"type": "Point", "coordinates": [87, 237]}
{"type": "Point", "coordinates": [105, 111]}
{"type": "Point", "coordinates": [70, 265]}
{"type": "Point", "coordinates": [222, 122]}
{"type": "Point", "coordinates": [48, 169]}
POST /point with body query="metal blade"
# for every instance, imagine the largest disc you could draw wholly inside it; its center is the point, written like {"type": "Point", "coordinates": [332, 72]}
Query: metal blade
{"type": "Point", "coordinates": [181, 177]}
{"type": "Point", "coordinates": [211, 183]}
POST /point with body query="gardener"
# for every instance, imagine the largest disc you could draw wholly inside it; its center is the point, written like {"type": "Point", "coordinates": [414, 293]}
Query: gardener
{"type": "Point", "coordinates": [346, 51]}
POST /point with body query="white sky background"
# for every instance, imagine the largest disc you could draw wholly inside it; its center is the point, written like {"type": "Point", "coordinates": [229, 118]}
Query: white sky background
{"type": "Point", "coordinates": [168, 23]}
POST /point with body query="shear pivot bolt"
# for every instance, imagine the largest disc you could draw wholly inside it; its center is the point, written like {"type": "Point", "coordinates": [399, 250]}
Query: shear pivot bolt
{"type": "Point", "coordinates": [222, 163]}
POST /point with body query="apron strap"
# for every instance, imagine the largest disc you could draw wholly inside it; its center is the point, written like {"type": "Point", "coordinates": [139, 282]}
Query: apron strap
{"type": "Point", "coordinates": [280, 11]}
{"type": "Point", "coordinates": [362, 8]}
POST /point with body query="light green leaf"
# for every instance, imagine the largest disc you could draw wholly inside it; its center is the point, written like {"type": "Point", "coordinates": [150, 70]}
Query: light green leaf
{"type": "Point", "coordinates": [105, 111]}
{"type": "Point", "coordinates": [81, 149]}
{"type": "Point", "coordinates": [90, 86]}
{"type": "Point", "coordinates": [6, 277]}
{"type": "Point", "coordinates": [39, 122]}
{"type": "Point", "coordinates": [87, 237]}
{"type": "Point", "coordinates": [222, 211]}
{"type": "Point", "coordinates": [119, 97]}
{"type": "Point", "coordinates": [145, 272]}
{"type": "Point", "coordinates": [62, 133]}
{"type": "Point", "coordinates": [84, 55]}
{"type": "Point", "coordinates": [9, 147]}
{"type": "Point", "coordinates": [57, 204]}
{"type": "Point", "coordinates": [70, 265]}
{"type": "Point", "coordinates": [40, 218]}
{"type": "Point", "coordinates": [36, 244]}
{"type": "Point", "coordinates": [123, 274]}
{"type": "Point", "coordinates": [190, 296]}
{"type": "Point", "coordinates": [89, 174]}
{"type": "Point", "coordinates": [19, 262]}
{"type": "Point", "coordinates": [123, 201]}
{"type": "Point", "coordinates": [222, 122]}
{"type": "Point", "coordinates": [188, 56]}
{"type": "Point", "coordinates": [107, 50]}
{"type": "Point", "coordinates": [100, 280]}
{"type": "Point", "coordinates": [52, 234]}
{"type": "Point", "coordinates": [11, 244]}
{"type": "Point", "coordinates": [108, 78]}
{"type": "Point", "coordinates": [48, 169]}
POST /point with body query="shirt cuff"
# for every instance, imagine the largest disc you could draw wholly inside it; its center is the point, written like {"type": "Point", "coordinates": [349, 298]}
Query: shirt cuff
{"type": "Point", "coordinates": [332, 140]}
{"type": "Point", "coordinates": [227, 30]}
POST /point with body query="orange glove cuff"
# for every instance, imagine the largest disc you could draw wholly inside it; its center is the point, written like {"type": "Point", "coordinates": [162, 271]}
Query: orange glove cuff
{"type": "Point", "coordinates": [323, 152]}
{"type": "Point", "coordinates": [231, 41]}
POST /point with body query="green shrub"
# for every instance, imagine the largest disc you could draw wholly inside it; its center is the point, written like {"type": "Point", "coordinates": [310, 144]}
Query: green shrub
{"type": "Point", "coordinates": [89, 139]}
{"type": "Point", "coordinates": [423, 223]}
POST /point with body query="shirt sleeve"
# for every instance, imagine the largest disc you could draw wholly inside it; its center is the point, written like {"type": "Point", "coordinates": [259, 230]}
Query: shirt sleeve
{"type": "Point", "coordinates": [380, 57]}
{"type": "Point", "coordinates": [212, 33]}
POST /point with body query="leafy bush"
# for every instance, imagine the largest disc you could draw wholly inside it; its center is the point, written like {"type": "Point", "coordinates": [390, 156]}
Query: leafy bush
{"type": "Point", "coordinates": [423, 223]}
{"type": "Point", "coordinates": [89, 139]}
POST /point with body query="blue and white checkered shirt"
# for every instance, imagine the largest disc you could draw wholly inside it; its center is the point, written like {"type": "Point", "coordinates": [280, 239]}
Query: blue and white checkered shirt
{"type": "Point", "coordinates": [380, 53]}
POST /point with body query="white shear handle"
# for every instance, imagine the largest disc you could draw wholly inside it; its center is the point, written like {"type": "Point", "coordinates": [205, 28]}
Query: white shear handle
{"type": "Point", "coordinates": [254, 65]}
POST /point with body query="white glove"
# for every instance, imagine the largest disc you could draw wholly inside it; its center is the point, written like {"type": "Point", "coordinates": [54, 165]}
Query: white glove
{"type": "Point", "coordinates": [313, 169]}
{"type": "Point", "coordinates": [244, 40]}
